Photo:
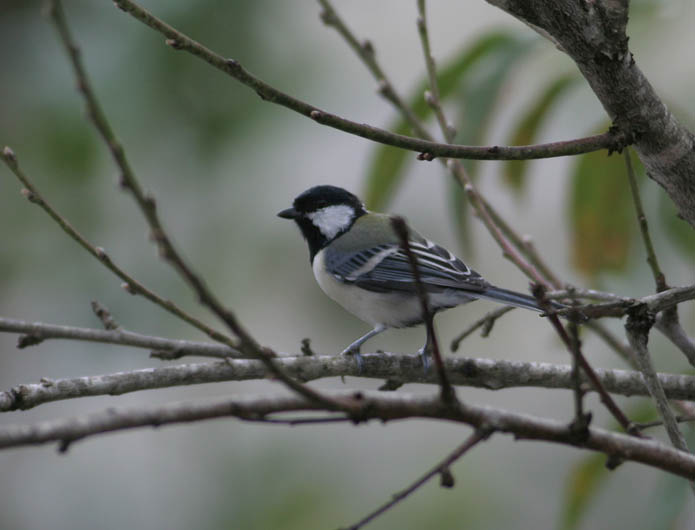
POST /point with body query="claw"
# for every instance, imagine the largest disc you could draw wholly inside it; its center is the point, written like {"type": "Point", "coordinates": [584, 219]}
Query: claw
{"type": "Point", "coordinates": [358, 358]}
{"type": "Point", "coordinates": [425, 357]}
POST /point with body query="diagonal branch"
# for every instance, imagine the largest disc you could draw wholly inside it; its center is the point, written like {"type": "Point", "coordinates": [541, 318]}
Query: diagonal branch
{"type": "Point", "coordinates": [130, 284]}
{"type": "Point", "coordinates": [147, 205]}
{"type": "Point", "coordinates": [442, 468]}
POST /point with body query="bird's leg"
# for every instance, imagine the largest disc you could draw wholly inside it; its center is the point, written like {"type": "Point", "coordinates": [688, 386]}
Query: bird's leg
{"type": "Point", "coordinates": [354, 348]}
{"type": "Point", "coordinates": [426, 351]}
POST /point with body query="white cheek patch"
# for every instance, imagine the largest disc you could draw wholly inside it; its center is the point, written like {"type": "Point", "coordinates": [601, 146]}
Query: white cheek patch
{"type": "Point", "coordinates": [332, 220]}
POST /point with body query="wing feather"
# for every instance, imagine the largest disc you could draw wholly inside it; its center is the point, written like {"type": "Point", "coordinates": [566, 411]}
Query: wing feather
{"type": "Point", "coordinates": [384, 268]}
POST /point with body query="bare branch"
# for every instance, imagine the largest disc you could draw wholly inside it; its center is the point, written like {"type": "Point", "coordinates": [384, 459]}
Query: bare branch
{"type": "Point", "coordinates": [654, 303]}
{"type": "Point", "coordinates": [593, 35]}
{"type": "Point", "coordinates": [606, 399]}
{"type": "Point", "coordinates": [401, 228]}
{"type": "Point", "coordinates": [147, 205]}
{"type": "Point", "coordinates": [659, 277]}
{"type": "Point", "coordinates": [440, 469]}
{"type": "Point", "coordinates": [384, 406]}
{"type": "Point", "coordinates": [130, 284]}
{"type": "Point", "coordinates": [40, 332]}
{"type": "Point", "coordinates": [480, 373]}
{"type": "Point", "coordinates": [104, 315]}
{"type": "Point", "coordinates": [179, 41]}
{"type": "Point", "coordinates": [486, 322]}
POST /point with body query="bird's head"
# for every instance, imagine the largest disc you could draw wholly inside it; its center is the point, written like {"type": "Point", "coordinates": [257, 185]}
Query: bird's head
{"type": "Point", "coordinates": [323, 213]}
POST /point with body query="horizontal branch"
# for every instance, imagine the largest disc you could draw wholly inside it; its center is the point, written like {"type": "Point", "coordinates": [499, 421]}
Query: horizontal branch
{"type": "Point", "coordinates": [653, 303]}
{"type": "Point", "coordinates": [611, 140]}
{"type": "Point", "coordinates": [480, 373]}
{"type": "Point", "coordinates": [374, 405]}
{"type": "Point", "coordinates": [35, 332]}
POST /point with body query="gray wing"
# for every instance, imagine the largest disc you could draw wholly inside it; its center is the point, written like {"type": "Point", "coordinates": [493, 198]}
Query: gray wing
{"type": "Point", "coordinates": [386, 267]}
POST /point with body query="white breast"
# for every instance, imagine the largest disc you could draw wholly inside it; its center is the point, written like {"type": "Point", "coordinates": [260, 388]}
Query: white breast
{"type": "Point", "coordinates": [393, 310]}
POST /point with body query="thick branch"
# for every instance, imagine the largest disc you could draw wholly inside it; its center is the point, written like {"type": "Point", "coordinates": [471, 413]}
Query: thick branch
{"type": "Point", "coordinates": [375, 405]}
{"type": "Point", "coordinates": [593, 35]}
{"type": "Point", "coordinates": [480, 373]}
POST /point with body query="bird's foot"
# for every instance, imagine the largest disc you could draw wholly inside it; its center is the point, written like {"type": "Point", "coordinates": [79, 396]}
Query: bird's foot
{"type": "Point", "coordinates": [355, 352]}
{"type": "Point", "coordinates": [424, 354]}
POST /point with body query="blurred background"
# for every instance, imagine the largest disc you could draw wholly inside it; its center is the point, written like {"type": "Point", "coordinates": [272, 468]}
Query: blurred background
{"type": "Point", "coordinates": [221, 163]}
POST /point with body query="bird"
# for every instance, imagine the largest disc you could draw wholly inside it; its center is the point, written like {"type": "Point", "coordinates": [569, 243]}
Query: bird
{"type": "Point", "coordinates": [358, 261]}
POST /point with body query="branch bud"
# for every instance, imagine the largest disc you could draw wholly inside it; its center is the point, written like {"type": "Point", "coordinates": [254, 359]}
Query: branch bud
{"type": "Point", "coordinates": [429, 99]}
{"type": "Point", "coordinates": [128, 288]}
{"type": "Point", "coordinates": [9, 156]}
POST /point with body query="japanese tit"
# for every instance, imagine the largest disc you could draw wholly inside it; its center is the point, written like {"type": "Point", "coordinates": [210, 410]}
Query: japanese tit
{"type": "Point", "coordinates": [358, 262]}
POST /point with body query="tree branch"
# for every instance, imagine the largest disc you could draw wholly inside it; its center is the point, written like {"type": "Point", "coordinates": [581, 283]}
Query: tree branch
{"type": "Point", "coordinates": [246, 343]}
{"type": "Point", "coordinates": [442, 468]}
{"type": "Point", "coordinates": [479, 373]}
{"type": "Point", "coordinates": [130, 284]}
{"type": "Point", "coordinates": [375, 405]}
{"type": "Point", "coordinates": [593, 35]}
{"type": "Point", "coordinates": [179, 41]}
{"type": "Point", "coordinates": [36, 332]}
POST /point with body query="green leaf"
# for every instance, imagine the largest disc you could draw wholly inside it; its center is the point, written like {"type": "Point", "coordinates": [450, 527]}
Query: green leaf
{"type": "Point", "coordinates": [681, 234]}
{"type": "Point", "coordinates": [388, 163]}
{"type": "Point", "coordinates": [602, 214]}
{"type": "Point", "coordinates": [479, 91]}
{"type": "Point", "coordinates": [526, 130]}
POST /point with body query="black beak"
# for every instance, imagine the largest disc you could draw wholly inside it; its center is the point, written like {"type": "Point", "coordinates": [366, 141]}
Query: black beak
{"type": "Point", "coordinates": [289, 213]}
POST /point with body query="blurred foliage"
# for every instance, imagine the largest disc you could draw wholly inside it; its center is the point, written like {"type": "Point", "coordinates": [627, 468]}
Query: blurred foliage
{"type": "Point", "coordinates": [602, 214]}
{"type": "Point", "coordinates": [526, 131]}
{"type": "Point", "coordinates": [589, 474]}
{"type": "Point", "coordinates": [388, 163]}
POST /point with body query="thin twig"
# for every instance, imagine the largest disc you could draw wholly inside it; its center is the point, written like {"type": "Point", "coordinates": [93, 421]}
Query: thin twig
{"type": "Point", "coordinates": [432, 97]}
{"type": "Point", "coordinates": [581, 420]}
{"type": "Point", "coordinates": [104, 315]}
{"type": "Point", "coordinates": [668, 322]}
{"type": "Point", "coordinates": [147, 205]}
{"type": "Point", "coordinates": [659, 423]}
{"type": "Point", "coordinates": [130, 284]}
{"type": "Point", "coordinates": [524, 244]}
{"type": "Point", "coordinates": [177, 40]}
{"type": "Point", "coordinates": [365, 51]}
{"type": "Point", "coordinates": [659, 277]}
{"type": "Point", "coordinates": [606, 399]}
{"type": "Point", "coordinates": [401, 228]}
{"type": "Point", "coordinates": [654, 303]}
{"type": "Point", "coordinates": [38, 332]}
{"type": "Point", "coordinates": [486, 322]}
{"type": "Point", "coordinates": [441, 468]}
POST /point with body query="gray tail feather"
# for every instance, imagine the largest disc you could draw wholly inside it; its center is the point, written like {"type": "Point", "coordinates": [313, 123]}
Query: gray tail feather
{"type": "Point", "coordinates": [505, 296]}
